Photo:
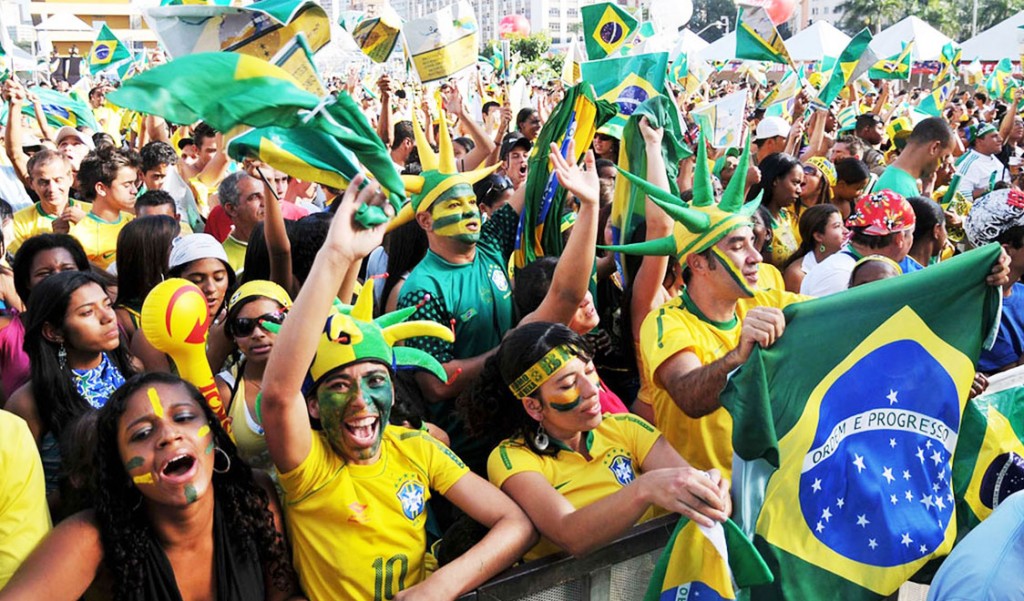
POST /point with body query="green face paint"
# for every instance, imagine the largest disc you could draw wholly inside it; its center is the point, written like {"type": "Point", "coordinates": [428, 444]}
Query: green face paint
{"type": "Point", "coordinates": [560, 399]}
{"type": "Point", "coordinates": [190, 494]}
{"type": "Point", "coordinates": [456, 215]}
{"type": "Point", "coordinates": [209, 448]}
{"type": "Point", "coordinates": [341, 420]}
{"type": "Point", "coordinates": [734, 271]}
{"type": "Point", "coordinates": [566, 407]}
{"type": "Point", "coordinates": [133, 463]}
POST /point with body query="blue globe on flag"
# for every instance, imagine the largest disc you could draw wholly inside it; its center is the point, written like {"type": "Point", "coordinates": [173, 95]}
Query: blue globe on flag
{"type": "Point", "coordinates": [876, 484]}
{"type": "Point", "coordinates": [630, 98]}
{"type": "Point", "coordinates": [611, 32]}
{"type": "Point", "coordinates": [101, 52]}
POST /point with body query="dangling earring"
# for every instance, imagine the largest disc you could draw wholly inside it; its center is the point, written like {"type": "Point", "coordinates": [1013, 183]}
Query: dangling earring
{"type": "Point", "coordinates": [821, 248]}
{"type": "Point", "coordinates": [540, 439]}
{"type": "Point", "coordinates": [62, 356]}
{"type": "Point", "coordinates": [227, 458]}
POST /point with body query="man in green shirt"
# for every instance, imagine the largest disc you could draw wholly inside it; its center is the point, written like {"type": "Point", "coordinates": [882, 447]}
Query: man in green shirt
{"type": "Point", "coordinates": [929, 145]}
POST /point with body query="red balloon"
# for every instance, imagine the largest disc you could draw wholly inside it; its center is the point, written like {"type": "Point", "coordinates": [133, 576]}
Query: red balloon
{"type": "Point", "coordinates": [513, 25]}
{"type": "Point", "coordinates": [779, 11]}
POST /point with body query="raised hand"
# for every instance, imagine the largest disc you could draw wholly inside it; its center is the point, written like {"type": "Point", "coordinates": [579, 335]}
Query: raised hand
{"type": "Point", "coordinates": [583, 183]}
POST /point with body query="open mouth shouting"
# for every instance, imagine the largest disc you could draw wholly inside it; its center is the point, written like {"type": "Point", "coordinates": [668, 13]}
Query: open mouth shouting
{"type": "Point", "coordinates": [363, 430]}
{"type": "Point", "coordinates": [179, 469]}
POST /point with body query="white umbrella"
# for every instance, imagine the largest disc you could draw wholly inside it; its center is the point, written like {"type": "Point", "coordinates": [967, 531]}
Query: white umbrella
{"type": "Point", "coordinates": [819, 40]}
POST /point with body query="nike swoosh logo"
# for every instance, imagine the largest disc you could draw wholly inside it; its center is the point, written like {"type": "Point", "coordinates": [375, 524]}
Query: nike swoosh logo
{"type": "Point", "coordinates": [109, 254]}
{"type": "Point", "coordinates": [558, 486]}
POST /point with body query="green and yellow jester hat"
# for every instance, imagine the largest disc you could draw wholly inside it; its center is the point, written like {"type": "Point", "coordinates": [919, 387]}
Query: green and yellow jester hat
{"type": "Point", "coordinates": [439, 174]}
{"type": "Point", "coordinates": [351, 335]}
{"type": "Point", "coordinates": [702, 223]}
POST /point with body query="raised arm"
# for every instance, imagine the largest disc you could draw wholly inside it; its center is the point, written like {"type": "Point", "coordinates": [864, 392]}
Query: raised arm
{"type": "Point", "coordinates": [283, 409]}
{"type": "Point", "coordinates": [15, 95]}
{"type": "Point", "coordinates": [278, 246]}
{"type": "Point", "coordinates": [571, 279]}
{"type": "Point", "coordinates": [484, 145]}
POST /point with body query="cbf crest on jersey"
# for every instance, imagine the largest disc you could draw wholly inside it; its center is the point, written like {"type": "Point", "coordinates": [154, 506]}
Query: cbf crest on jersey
{"type": "Point", "coordinates": [854, 430]}
{"type": "Point", "coordinates": [622, 467]}
{"type": "Point", "coordinates": [410, 493]}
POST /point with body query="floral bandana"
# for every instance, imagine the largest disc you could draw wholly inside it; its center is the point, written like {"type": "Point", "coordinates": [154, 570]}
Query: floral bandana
{"type": "Point", "coordinates": [882, 213]}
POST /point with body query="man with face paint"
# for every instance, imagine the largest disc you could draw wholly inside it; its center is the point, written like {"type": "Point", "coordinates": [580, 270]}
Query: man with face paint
{"type": "Point", "coordinates": [357, 489]}
{"type": "Point", "coordinates": [690, 344]}
{"type": "Point", "coordinates": [462, 283]}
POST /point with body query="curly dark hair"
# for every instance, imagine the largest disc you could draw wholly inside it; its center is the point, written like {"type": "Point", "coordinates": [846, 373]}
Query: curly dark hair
{"type": "Point", "coordinates": [122, 519]}
{"type": "Point", "coordinates": [489, 409]}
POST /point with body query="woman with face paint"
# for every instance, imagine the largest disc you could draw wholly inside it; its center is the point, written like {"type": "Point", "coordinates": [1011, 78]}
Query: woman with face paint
{"type": "Point", "coordinates": [178, 514]}
{"type": "Point", "coordinates": [583, 478]}
{"type": "Point", "coordinates": [359, 486]}
{"type": "Point", "coordinates": [76, 359]}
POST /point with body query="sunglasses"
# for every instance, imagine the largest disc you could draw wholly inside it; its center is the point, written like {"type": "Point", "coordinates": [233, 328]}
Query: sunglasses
{"type": "Point", "coordinates": [243, 327]}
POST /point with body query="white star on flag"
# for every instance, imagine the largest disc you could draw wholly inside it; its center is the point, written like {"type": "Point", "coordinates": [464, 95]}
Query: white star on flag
{"type": "Point", "coordinates": [923, 549]}
{"type": "Point", "coordinates": [939, 502]}
{"type": "Point", "coordinates": [892, 397]}
{"type": "Point", "coordinates": [920, 454]}
{"type": "Point", "coordinates": [859, 462]}
{"type": "Point", "coordinates": [909, 495]}
{"type": "Point", "coordinates": [942, 475]}
{"type": "Point", "coordinates": [863, 521]}
{"type": "Point", "coordinates": [817, 485]}
{"type": "Point", "coordinates": [927, 501]}
{"type": "Point", "coordinates": [892, 443]}
{"type": "Point", "coordinates": [840, 502]}
{"type": "Point", "coordinates": [935, 486]}
{"type": "Point", "coordinates": [887, 474]}
{"type": "Point", "coordinates": [819, 527]}
{"type": "Point", "coordinates": [928, 444]}
{"type": "Point", "coordinates": [937, 458]}
{"type": "Point", "coordinates": [906, 539]}
{"type": "Point", "coordinates": [872, 543]}
{"type": "Point", "coordinates": [906, 474]}
{"type": "Point", "coordinates": [826, 514]}
{"type": "Point", "coordinates": [893, 499]}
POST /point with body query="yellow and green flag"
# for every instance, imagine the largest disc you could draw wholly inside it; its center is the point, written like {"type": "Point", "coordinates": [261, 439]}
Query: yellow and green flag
{"type": "Point", "coordinates": [848, 456]}
{"type": "Point", "coordinates": [377, 36]}
{"type": "Point", "coordinates": [1001, 84]}
{"type": "Point", "coordinates": [627, 81]}
{"type": "Point", "coordinates": [606, 27]}
{"type": "Point", "coordinates": [302, 152]}
{"type": "Point", "coordinates": [107, 51]}
{"type": "Point", "coordinates": [855, 60]}
{"type": "Point", "coordinates": [706, 564]}
{"type": "Point", "coordinates": [757, 38]}
{"type": "Point", "coordinates": [896, 66]}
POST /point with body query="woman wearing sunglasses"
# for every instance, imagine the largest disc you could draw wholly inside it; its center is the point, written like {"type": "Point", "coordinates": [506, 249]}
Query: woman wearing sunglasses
{"type": "Point", "coordinates": [254, 305]}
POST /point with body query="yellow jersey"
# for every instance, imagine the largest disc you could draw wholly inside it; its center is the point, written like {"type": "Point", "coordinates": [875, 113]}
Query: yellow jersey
{"type": "Point", "coordinates": [25, 519]}
{"type": "Point", "coordinates": [679, 326]}
{"type": "Point", "coordinates": [359, 531]}
{"type": "Point", "coordinates": [235, 249]}
{"type": "Point", "coordinates": [99, 237]}
{"type": "Point", "coordinates": [618, 447]}
{"type": "Point", "coordinates": [33, 220]}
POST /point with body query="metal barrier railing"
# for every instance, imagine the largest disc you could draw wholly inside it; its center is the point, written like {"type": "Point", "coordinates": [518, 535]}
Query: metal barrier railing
{"type": "Point", "coordinates": [619, 571]}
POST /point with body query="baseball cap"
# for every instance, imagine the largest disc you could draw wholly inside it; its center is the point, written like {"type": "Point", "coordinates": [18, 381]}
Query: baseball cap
{"type": "Point", "coordinates": [882, 213]}
{"type": "Point", "coordinates": [769, 127]}
{"type": "Point", "coordinates": [260, 289]}
{"type": "Point", "coordinates": [195, 247]}
{"type": "Point", "coordinates": [976, 132]}
{"type": "Point", "coordinates": [67, 130]}
{"type": "Point", "coordinates": [828, 170]}
{"type": "Point", "coordinates": [514, 140]}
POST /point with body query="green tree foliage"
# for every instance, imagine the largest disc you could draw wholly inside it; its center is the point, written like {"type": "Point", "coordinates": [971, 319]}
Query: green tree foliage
{"type": "Point", "coordinates": [534, 62]}
{"type": "Point", "coordinates": [951, 18]}
{"type": "Point", "coordinates": [706, 12]}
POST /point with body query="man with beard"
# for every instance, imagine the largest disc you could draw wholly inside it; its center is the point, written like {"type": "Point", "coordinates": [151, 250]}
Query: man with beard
{"type": "Point", "coordinates": [928, 146]}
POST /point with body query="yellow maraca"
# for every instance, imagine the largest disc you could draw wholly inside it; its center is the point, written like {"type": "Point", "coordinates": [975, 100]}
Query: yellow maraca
{"type": "Point", "coordinates": [175, 321]}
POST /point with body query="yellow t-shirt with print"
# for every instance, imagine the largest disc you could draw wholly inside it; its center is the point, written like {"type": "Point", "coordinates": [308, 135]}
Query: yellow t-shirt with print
{"type": "Point", "coordinates": [99, 237]}
{"type": "Point", "coordinates": [33, 220]}
{"type": "Point", "coordinates": [679, 326]}
{"type": "Point", "coordinates": [618, 447]}
{"type": "Point", "coordinates": [358, 531]}
{"type": "Point", "coordinates": [24, 519]}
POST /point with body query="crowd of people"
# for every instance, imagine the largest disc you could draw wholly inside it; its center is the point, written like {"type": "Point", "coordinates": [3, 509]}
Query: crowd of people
{"type": "Point", "coordinates": [408, 414]}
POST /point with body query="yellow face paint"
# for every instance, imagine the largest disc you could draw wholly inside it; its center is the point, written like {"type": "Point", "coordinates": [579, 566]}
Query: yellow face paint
{"type": "Point", "coordinates": [154, 400]}
{"type": "Point", "coordinates": [564, 401]}
{"type": "Point", "coordinates": [457, 217]}
{"type": "Point", "coordinates": [203, 430]}
{"type": "Point", "coordinates": [146, 478]}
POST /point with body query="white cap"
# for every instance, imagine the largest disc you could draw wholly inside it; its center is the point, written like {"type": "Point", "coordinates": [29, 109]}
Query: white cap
{"type": "Point", "coordinates": [769, 127]}
{"type": "Point", "coordinates": [67, 130]}
{"type": "Point", "coordinates": [195, 247]}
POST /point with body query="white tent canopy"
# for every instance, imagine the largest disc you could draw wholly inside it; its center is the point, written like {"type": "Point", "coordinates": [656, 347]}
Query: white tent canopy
{"type": "Point", "coordinates": [998, 42]}
{"type": "Point", "coordinates": [819, 40]}
{"type": "Point", "coordinates": [722, 49]}
{"type": "Point", "coordinates": [691, 43]}
{"type": "Point", "coordinates": [928, 41]}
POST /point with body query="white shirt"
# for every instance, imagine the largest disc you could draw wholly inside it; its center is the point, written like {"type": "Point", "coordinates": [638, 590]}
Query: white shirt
{"type": "Point", "coordinates": [830, 276]}
{"type": "Point", "coordinates": [976, 170]}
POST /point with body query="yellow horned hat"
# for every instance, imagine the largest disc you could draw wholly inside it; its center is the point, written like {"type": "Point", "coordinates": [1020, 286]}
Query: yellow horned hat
{"type": "Point", "coordinates": [351, 334]}
{"type": "Point", "coordinates": [698, 226]}
{"type": "Point", "coordinates": [439, 174]}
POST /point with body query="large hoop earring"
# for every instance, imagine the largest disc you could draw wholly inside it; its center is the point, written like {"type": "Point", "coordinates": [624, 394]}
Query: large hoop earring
{"type": "Point", "coordinates": [540, 439]}
{"type": "Point", "coordinates": [227, 458]}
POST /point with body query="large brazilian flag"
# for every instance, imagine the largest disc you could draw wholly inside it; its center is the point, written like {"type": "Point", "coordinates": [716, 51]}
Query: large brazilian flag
{"type": "Point", "coordinates": [845, 430]}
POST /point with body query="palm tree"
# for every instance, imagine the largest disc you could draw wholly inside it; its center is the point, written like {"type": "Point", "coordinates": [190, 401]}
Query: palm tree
{"type": "Point", "coordinates": [873, 14]}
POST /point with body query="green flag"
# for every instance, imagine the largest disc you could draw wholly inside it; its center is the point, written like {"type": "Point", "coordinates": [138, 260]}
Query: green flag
{"type": "Point", "coordinates": [757, 38]}
{"type": "Point", "coordinates": [628, 208]}
{"type": "Point", "coordinates": [576, 118]}
{"type": "Point", "coordinates": [628, 82]}
{"type": "Point", "coordinates": [703, 563]}
{"type": "Point", "coordinates": [61, 109]}
{"type": "Point", "coordinates": [1001, 84]}
{"type": "Point", "coordinates": [896, 66]}
{"type": "Point", "coordinates": [855, 60]}
{"type": "Point", "coordinates": [606, 27]}
{"type": "Point", "coordinates": [107, 51]}
{"type": "Point", "coordinates": [302, 152]}
{"type": "Point", "coordinates": [844, 448]}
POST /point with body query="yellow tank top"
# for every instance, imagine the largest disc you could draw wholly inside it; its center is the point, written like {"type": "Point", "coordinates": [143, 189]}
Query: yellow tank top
{"type": "Point", "coordinates": [246, 431]}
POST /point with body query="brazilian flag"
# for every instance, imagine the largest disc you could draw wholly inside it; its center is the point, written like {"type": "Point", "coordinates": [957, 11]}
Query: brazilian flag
{"type": "Point", "coordinates": [856, 59]}
{"type": "Point", "coordinates": [896, 66]}
{"type": "Point", "coordinates": [576, 118]}
{"type": "Point", "coordinates": [606, 27]}
{"type": "Point", "coordinates": [304, 153]}
{"type": "Point", "coordinates": [845, 430]}
{"type": "Point", "coordinates": [628, 82]}
{"type": "Point", "coordinates": [1001, 84]}
{"type": "Point", "coordinates": [989, 463]}
{"type": "Point", "coordinates": [60, 109]}
{"type": "Point", "coordinates": [107, 51]}
{"type": "Point", "coordinates": [702, 563]}
{"type": "Point", "coordinates": [757, 38]}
